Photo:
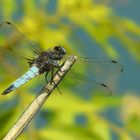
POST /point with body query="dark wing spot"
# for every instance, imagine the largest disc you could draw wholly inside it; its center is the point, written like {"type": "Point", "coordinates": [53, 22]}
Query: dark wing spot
{"type": "Point", "coordinates": [110, 92]}
{"type": "Point", "coordinates": [8, 22]}
{"type": "Point", "coordinates": [113, 61]}
{"type": "Point", "coordinates": [104, 85]}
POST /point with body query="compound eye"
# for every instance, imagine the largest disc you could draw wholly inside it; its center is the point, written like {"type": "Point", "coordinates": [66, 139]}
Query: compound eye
{"type": "Point", "coordinates": [57, 48]}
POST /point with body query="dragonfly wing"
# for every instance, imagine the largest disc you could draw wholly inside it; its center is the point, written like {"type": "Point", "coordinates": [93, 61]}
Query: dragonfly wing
{"type": "Point", "coordinates": [95, 73]}
{"type": "Point", "coordinates": [13, 40]}
{"type": "Point", "coordinates": [101, 67]}
{"type": "Point", "coordinates": [98, 88]}
{"type": "Point", "coordinates": [14, 48]}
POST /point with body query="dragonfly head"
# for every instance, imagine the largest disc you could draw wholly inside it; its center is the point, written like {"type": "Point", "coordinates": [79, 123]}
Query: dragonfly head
{"type": "Point", "coordinates": [60, 51]}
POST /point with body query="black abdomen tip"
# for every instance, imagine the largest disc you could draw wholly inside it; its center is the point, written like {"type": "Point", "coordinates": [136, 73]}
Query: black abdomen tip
{"type": "Point", "coordinates": [8, 90]}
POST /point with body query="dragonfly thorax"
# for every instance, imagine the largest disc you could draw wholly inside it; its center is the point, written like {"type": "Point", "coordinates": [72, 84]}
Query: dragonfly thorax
{"type": "Point", "coordinates": [48, 60]}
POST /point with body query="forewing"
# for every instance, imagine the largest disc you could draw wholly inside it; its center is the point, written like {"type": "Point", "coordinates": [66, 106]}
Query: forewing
{"type": "Point", "coordinates": [101, 67]}
{"type": "Point", "coordinates": [15, 47]}
{"type": "Point", "coordinates": [12, 39]}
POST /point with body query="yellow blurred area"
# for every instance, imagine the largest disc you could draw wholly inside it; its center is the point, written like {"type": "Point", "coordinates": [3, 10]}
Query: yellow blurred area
{"type": "Point", "coordinates": [76, 25]}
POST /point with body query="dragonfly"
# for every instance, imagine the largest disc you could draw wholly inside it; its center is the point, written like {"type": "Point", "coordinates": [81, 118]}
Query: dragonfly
{"type": "Point", "coordinates": [15, 46]}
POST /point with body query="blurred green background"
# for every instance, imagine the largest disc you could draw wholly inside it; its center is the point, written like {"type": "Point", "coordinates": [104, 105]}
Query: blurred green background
{"type": "Point", "coordinates": [93, 28]}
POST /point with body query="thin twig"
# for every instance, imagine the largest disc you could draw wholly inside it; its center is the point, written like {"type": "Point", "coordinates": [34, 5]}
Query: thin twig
{"type": "Point", "coordinates": [32, 109]}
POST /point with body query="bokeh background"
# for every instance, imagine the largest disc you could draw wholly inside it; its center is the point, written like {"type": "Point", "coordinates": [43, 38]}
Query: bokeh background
{"type": "Point", "coordinates": [93, 28]}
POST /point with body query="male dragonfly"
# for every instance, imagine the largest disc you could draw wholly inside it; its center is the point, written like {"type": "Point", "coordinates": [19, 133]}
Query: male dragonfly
{"type": "Point", "coordinates": [13, 44]}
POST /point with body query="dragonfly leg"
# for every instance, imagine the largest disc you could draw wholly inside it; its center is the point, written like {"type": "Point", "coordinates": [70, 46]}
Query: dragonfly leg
{"type": "Point", "coordinates": [46, 76]}
{"type": "Point", "coordinates": [30, 61]}
{"type": "Point", "coordinates": [38, 52]}
{"type": "Point", "coordinates": [52, 73]}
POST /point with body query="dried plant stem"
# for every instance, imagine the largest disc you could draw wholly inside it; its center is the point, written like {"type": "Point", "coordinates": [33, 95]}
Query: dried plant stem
{"type": "Point", "coordinates": [32, 109]}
